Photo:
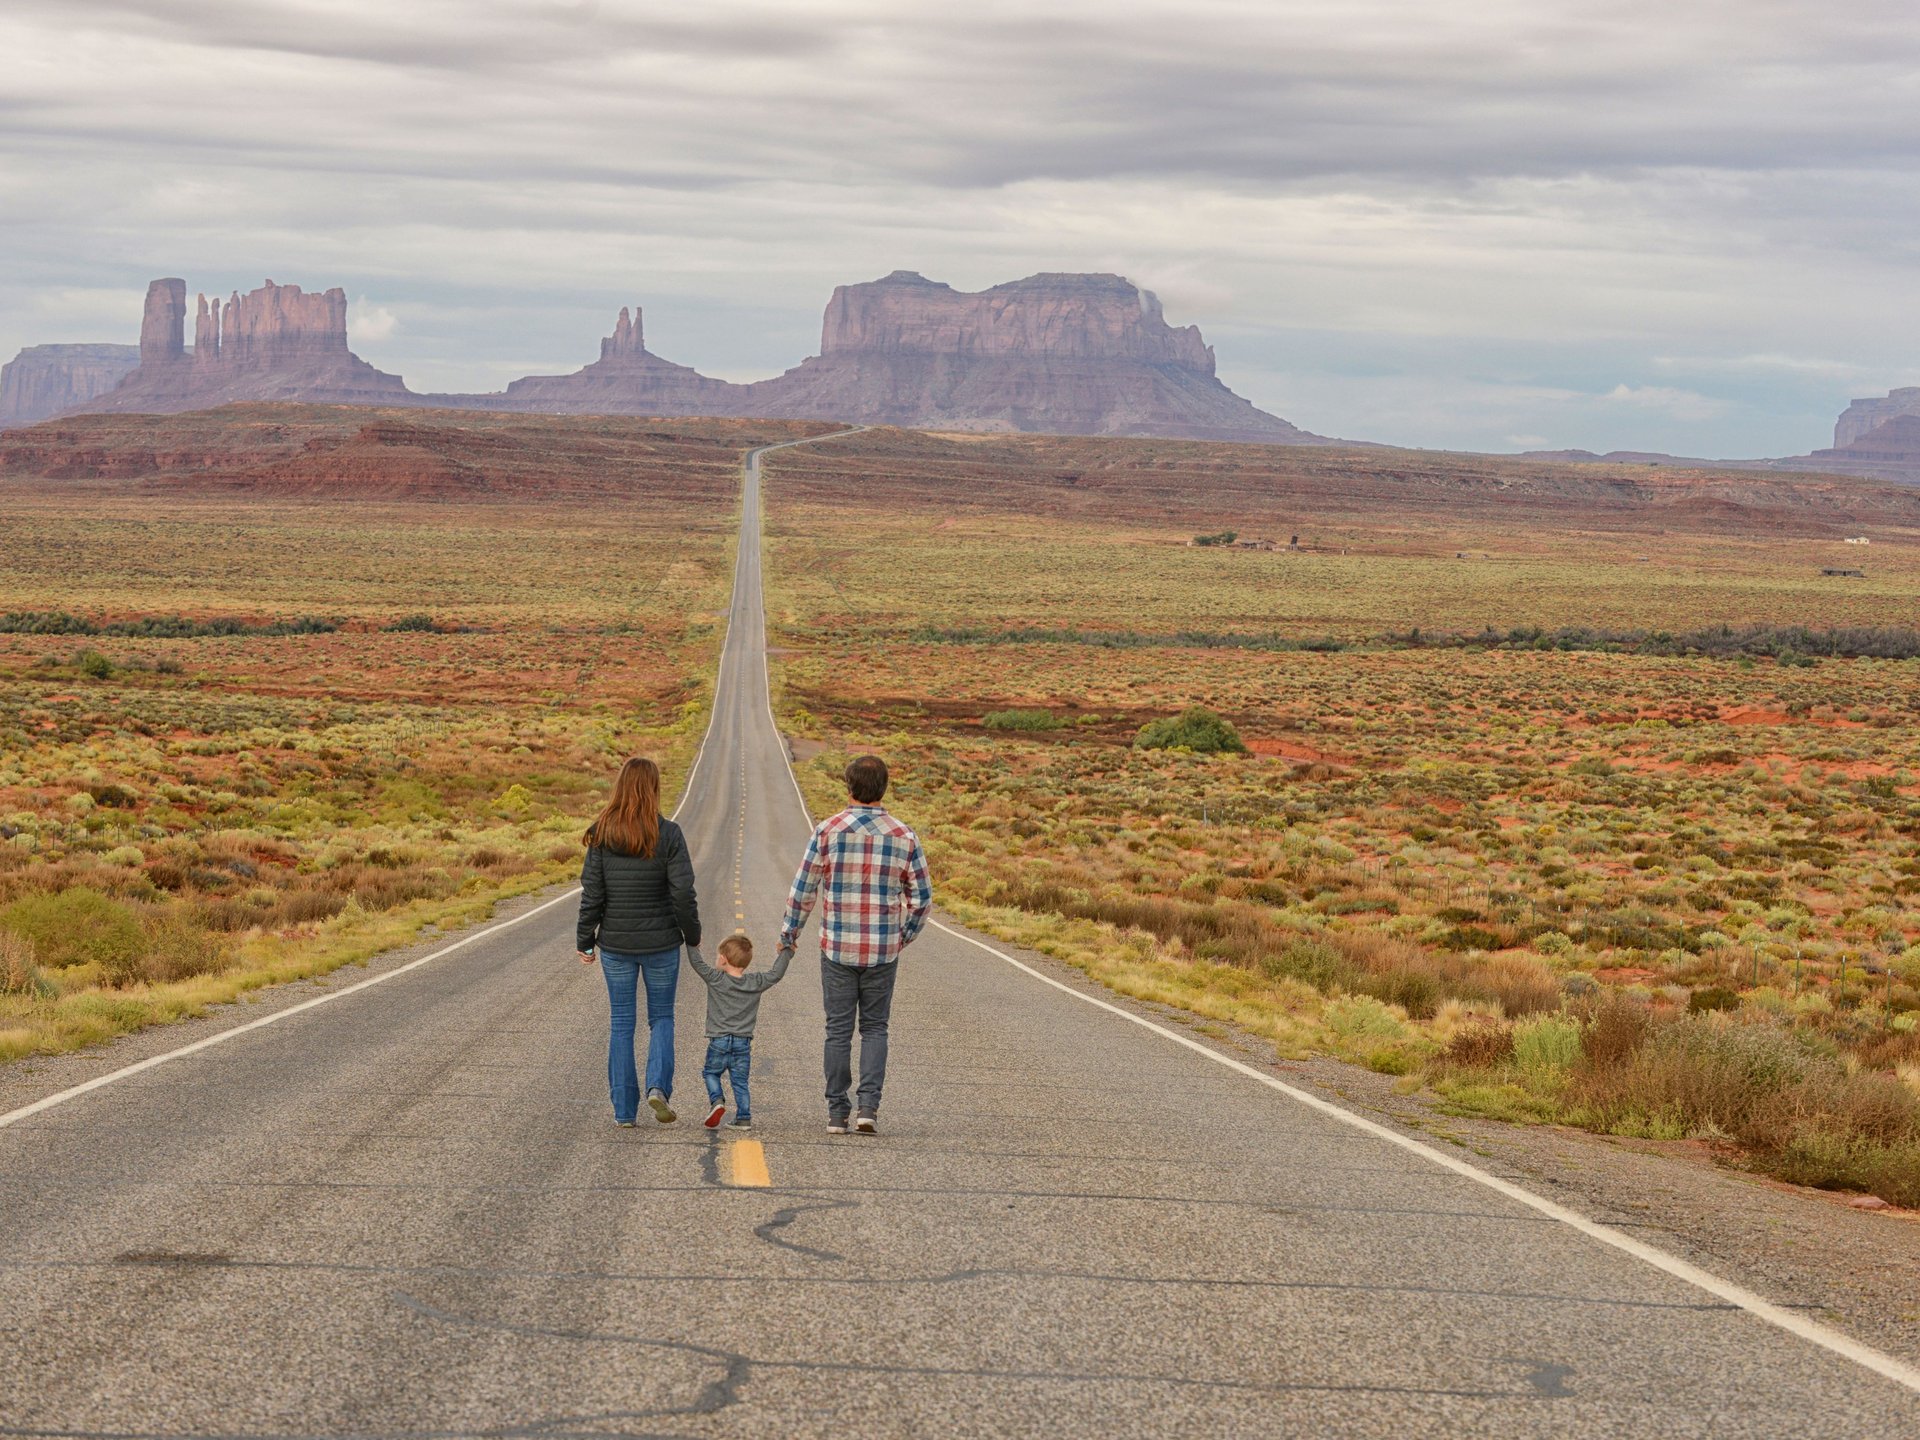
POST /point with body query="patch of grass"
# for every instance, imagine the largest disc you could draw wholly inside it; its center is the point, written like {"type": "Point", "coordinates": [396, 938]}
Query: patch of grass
{"type": "Point", "coordinates": [1022, 719]}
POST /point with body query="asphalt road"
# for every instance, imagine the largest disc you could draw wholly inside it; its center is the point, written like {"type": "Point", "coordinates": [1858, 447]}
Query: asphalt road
{"type": "Point", "coordinates": [406, 1212]}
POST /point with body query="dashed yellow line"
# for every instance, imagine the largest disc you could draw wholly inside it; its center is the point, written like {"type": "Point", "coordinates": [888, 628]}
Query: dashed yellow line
{"type": "Point", "coordinates": [747, 1163]}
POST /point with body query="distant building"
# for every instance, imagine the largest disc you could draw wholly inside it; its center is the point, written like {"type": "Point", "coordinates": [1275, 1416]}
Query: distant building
{"type": "Point", "coordinates": [1855, 540]}
{"type": "Point", "coordinates": [1837, 570]}
{"type": "Point", "coordinates": [1254, 545]}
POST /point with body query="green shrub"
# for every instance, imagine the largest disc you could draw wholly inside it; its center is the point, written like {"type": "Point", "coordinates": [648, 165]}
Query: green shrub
{"type": "Point", "coordinates": [1197, 729]}
{"type": "Point", "coordinates": [76, 927]}
{"type": "Point", "coordinates": [1546, 1043]}
{"type": "Point", "coordinates": [93, 663]}
{"type": "Point", "coordinates": [1022, 720]}
{"type": "Point", "coordinates": [1217, 537]}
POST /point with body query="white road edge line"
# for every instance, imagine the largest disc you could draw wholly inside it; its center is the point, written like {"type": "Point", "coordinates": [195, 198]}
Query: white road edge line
{"type": "Point", "coordinates": [74, 1092]}
{"type": "Point", "coordinates": [1738, 1296]}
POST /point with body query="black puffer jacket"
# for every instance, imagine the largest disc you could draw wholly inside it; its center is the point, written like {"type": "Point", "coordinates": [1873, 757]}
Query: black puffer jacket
{"type": "Point", "coordinates": [634, 905]}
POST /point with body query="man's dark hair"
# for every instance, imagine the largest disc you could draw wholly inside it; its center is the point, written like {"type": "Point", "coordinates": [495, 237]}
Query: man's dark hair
{"type": "Point", "coordinates": [867, 779]}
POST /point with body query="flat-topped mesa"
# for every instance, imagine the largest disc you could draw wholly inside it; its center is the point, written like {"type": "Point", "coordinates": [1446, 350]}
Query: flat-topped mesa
{"type": "Point", "coordinates": [1088, 317]}
{"type": "Point", "coordinates": [1070, 354]}
{"type": "Point", "coordinates": [275, 343]}
{"type": "Point", "coordinates": [1864, 416]}
{"type": "Point", "coordinates": [43, 380]}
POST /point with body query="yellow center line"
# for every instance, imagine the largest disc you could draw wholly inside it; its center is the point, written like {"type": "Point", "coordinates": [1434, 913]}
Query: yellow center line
{"type": "Point", "coordinates": [747, 1162]}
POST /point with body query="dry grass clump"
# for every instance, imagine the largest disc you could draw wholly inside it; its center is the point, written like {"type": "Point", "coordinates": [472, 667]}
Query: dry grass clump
{"type": "Point", "coordinates": [1359, 962]}
{"type": "Point", "coordinates": [1626, 1068]}
{"type": "Point", "coordinates": [19, 975]}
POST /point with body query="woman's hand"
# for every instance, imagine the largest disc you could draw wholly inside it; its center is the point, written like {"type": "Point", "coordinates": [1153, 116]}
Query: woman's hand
{"type": "Point", "coordinates": [586, 957]}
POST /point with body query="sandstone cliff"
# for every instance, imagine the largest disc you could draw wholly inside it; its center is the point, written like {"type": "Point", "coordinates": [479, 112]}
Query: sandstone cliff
{"type": "Point", "coordinates": [1072, 354]}
{"type": "Point", "coordinates": [1864, 416]}
{"type": "Point", "coordinates": [1889, 451]}
{"type": "Point", "coordinates": [274, 343]}
{"type": "Point", "coordinates": [43, 380]}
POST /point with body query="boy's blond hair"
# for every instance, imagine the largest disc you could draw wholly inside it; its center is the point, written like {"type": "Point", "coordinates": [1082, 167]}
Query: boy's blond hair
{"type": "Point", "coordinates": [738, 949]}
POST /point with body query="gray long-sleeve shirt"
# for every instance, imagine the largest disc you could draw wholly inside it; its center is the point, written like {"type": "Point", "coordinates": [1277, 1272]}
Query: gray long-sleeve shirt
{"type": "Point", "coordinates": [733, 1001]}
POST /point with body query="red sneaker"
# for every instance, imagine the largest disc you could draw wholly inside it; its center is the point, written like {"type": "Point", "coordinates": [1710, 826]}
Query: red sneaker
{"type": "Point", "coordinates": [712, 1122]}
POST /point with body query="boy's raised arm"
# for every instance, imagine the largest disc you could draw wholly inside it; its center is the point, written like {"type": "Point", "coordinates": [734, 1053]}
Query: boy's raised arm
{"type": "Point", "coordinates": [700, 966]}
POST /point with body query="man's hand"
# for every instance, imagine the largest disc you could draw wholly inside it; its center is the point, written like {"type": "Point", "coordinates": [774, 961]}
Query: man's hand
{"type": "Point", "coordinates": [586, 957]}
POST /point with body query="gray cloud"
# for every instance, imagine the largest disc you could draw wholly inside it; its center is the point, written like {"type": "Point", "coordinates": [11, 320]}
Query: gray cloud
{"type": "Point", "coordinates": [1394, 219]}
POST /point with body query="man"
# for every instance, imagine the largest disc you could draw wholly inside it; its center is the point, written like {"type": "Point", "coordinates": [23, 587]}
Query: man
{"type": "Point", "coordinates": [870, 875]}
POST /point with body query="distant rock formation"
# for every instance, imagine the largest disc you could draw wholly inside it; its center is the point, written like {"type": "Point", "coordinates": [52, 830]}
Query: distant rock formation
{"type": "Point", "coordinates": [1069, 354]}
{"type": "Point", "coordinates": [274, 343]}
{"type": "Point", "coordinates": [43, 380]}
{"type": "Point", "coordinates": [1864, 416]}
{"type": "Point", "coordinates": [163, 322]}
{"type": "Point", "coordinates": [627, 379]}
{"type": "Point", "coordinates": [1072, 354]}
{"type": "Point", "coordinates": [1889, 451]}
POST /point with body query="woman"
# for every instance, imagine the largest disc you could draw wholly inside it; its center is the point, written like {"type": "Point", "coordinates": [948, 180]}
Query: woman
{"type": "Point", "coordinates": [637, 904]}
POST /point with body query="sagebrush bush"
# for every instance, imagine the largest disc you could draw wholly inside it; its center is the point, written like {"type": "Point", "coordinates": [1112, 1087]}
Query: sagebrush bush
{"type": "Point", "coordinates": [1196, 728]}
{"type": "Point", "coordinates": [76, 926]}
{"type": "Point", "coordinates": [176, 949]}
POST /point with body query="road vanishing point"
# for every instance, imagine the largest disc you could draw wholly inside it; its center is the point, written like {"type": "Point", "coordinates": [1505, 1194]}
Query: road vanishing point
{"type": "Point", "coordinates": [402, 1208]}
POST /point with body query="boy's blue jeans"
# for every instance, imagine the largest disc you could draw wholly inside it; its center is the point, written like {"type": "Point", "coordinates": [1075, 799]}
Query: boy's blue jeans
{"type": "Point", "coordinates": [626, 975]}
{"type": "Point", "coordinates": [729, 1054]}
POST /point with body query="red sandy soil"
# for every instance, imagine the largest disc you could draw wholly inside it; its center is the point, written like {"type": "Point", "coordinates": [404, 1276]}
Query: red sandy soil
{"type": "Point", "coordinates": [343, 452]}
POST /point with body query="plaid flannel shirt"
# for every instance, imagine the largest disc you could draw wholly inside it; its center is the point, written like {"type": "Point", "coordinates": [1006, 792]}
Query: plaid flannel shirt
{"type": "Point", "coordinates": [869, 873]}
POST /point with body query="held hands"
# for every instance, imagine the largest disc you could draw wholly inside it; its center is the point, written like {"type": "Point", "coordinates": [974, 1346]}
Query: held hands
{"type": "Point", "coordinates": [785, 952]}
{"type": "Point", "coordinates": [586, 957]}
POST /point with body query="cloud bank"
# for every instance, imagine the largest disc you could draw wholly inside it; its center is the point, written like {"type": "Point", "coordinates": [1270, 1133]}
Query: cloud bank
{"type": "Point", "coordinates": [1603, 223]}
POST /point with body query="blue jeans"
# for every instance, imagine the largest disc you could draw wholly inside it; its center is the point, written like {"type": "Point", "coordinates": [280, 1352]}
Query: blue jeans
{"type": "Point", "coordinates": [730, 1054]}
{"type": "Point", "coordinates": [661, 972]}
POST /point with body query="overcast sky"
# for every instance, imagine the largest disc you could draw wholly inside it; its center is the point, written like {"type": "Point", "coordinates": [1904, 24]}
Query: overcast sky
{"type": "Point", "coordinates": [1690, 226]}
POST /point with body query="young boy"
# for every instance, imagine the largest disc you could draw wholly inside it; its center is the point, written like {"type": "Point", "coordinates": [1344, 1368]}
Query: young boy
{"type": "Point", "coordinates": [733, 1009]}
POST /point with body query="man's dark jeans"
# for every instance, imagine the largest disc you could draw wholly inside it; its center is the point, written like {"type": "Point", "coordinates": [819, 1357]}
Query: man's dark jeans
{"type": "Point", "coordinates": [866, 996]}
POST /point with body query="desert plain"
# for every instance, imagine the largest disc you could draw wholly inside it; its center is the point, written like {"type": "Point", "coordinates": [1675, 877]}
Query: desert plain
{"type": "Point", "coordinates": [1568, 793]}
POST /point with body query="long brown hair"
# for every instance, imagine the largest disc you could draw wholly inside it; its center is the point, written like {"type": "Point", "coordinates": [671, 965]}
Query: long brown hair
{"type": "Point", "coordinates": [630, 824]}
